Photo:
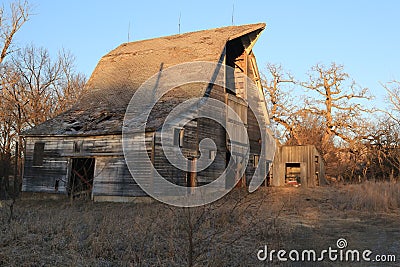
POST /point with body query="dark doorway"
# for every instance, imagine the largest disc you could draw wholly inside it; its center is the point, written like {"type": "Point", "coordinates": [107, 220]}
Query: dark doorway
{"type": "Point", "coordinates": [81, 178]}
{"type": "Point", "coordinates": [293, 173]}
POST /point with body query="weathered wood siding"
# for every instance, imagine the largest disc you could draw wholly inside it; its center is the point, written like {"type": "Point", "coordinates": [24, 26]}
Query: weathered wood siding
{"type": "Point", "coordinates": [195, 131]}
{"type": "Point", "coordinates": [189, 149]}
{"type": "Point", "coordinates": [244, 69]}
{"type": "Point", "coordinates": [111, 177]}
{"type": "Point", "coordinates": [313, 173]}
{"type": "Point", "coordinates": [208, 128]}
{"type": "Point", "coordinates": [239, 106]}
{"type": "Point", "coordinates": [55, 166]}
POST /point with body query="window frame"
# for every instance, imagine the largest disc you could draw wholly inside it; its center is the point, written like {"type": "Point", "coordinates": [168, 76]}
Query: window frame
{"type": "Point", "coordinates": [179, 134]}
{"type": "Point", "coordinates": [38, 154]}
{"type": "Point", "coordinates": [256, 160]}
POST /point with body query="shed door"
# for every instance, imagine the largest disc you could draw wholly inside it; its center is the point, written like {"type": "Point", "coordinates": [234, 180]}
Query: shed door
{"type": "Point", "coordinates": [295, 173]}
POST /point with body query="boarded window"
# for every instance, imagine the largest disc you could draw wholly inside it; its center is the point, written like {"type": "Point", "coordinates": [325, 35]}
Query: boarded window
{"type": "Point", "coordinates": [178, 137]}
{"type": "Point", "coordinates": [38, 152]}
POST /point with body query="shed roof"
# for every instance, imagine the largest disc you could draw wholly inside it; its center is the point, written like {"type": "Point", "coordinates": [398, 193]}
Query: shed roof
{"type": "Point", "coordinates": [121, 72]}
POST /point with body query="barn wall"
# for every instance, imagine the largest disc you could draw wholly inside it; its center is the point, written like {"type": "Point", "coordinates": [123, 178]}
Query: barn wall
{"type": "Point", "coordinates": [254, 134]}
{"type": "Point", "coordinates": [55, 166]}
{"type": "Point", "coordinates": [195, 131]}
{"type": "Point", "coordinates": [111, 177]}
{"type": "Point", "coordinates": [188, 149]}
{"type": "Point", "coordinates": [208, 128]}
{"type": "Point", "coordinates": [243, 69]}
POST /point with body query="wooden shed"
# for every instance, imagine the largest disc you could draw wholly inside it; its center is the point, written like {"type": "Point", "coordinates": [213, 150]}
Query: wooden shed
{"type": "Point", "coordinates": [297, 165]}
{"type": "Point", "coordinates": [80, 151]}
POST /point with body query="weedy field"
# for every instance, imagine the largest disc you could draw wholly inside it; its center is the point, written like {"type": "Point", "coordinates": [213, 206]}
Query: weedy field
{"type": "Point", "coordinates": [229, 232]}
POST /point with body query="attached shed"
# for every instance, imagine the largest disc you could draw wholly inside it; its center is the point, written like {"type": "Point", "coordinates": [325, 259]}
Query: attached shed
{"type": "Point", "coordinates": [301, 164]}
{"type": "Point", "coordinates": [80, 151]}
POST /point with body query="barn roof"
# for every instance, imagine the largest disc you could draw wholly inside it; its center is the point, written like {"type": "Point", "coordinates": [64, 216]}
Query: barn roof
{"type": "Point", "coordinates": [120, 73]}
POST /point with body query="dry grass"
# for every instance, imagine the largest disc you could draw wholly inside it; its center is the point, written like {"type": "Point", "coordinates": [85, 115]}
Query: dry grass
{"type": "Point", "coordinates": [228, 232]}
{"type": "Point", "coordinates": [57, 233]}
{"type": "Point", "coordinates": [372, 196]}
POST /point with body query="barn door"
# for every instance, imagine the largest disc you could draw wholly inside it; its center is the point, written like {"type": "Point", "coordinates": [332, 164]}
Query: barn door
{"type": "Point", "coordinates": [80, 182]}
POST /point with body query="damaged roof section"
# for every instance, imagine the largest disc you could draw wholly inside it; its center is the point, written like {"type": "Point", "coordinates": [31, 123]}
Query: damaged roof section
{"type": "Point", "coordinates": [81, 122]}
{"type": "Point", "coordinates": [121, 72]}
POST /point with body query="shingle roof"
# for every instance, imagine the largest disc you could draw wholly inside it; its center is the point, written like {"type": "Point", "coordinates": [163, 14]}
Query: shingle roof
{"type": "Point", "coordinates": [120, 73]}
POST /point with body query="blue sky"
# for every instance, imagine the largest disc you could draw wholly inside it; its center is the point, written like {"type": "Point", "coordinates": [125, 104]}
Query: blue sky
{"type": "Point", "coordinates": [364, 36]}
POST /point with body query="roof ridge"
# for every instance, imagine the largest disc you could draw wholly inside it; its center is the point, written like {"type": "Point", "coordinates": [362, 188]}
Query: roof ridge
{"type": "Point", "coordinates": [253, 27]}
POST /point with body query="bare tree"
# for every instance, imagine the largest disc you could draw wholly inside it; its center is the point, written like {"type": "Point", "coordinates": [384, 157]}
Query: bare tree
{"type": "Point", "coordinates": [330, 115]}
{"type": "Point", "coordinates": [383, 159]}
{"type": "Point", "coordinates": [10, 23]}
{"type": "Point", "coordinates": [34, 88]}
{"type": "Point", "coordinates": [70, 85]}
{"type": "Point", "coordinates": [280, 102]}
{"type": "Point", "coordinates": [46, 87]}
{"type": "Point", "coordinates": [393, 98]}
{"type": "Point", "coordinates": [335, 100]}
{"type": "Point", "coordinates": [384, 137]}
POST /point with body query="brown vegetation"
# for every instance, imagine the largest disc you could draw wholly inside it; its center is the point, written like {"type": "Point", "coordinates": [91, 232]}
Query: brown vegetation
{"type": "Point", "coordinates": [33, 88]}
{"type": "Point", "coordinates": [356, 140]}
{"type": "Point", "coordinates": [228, 232]}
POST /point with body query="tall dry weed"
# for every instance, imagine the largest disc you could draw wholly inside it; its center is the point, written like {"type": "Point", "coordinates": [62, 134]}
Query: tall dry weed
{"type": "Point", "coordinates": [372, 196]}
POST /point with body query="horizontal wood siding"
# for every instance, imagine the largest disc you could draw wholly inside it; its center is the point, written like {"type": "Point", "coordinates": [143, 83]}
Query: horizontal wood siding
{"type": "Point", "coordinates": [112, 176]}
{"type": "Point", "coordinates": [208, 128]}
{"type": "Point", "coordinates": [188, 149]}
{"type": "Point", "coordinates": [43, 178]}
{"type": "Point", "coordinates": [253, 131]}
{"type": "Point", "coordinates": [213, 130]}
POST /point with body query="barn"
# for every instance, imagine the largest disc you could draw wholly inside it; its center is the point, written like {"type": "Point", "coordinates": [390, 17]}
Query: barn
{"type": "Point", "coordinates": [80, 151]}
{"type": "Point", "coordinates": [297, 165]}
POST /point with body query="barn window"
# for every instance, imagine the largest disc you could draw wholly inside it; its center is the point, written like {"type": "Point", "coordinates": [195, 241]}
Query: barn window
{"type": "Point", "coordinates": [38, 151]}
{"type": "Point", "coordinates": [213, 153]}
{"type": "Point", "coordinates": [178, 136]}
{"type": "Point", "coordinates": [78, 146]}
{"type": "Point", "coordinates": [316, 159]}
{"type": "Point", "coordinates": [256, 159]}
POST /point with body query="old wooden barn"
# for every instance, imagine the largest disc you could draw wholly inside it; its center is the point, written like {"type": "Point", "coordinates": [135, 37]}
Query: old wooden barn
{"type": "Point", "coordinates": [297, 165]}
{"type": "Point", "coordinates": [80, 150]}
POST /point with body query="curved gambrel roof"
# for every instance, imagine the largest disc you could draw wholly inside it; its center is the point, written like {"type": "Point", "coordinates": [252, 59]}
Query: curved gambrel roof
{"type": "Point", "coordinates": [120, 73]}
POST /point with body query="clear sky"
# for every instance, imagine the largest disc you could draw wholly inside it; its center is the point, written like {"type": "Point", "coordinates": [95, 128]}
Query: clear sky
{"type": "Point", "coordinates": [364, 36]}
